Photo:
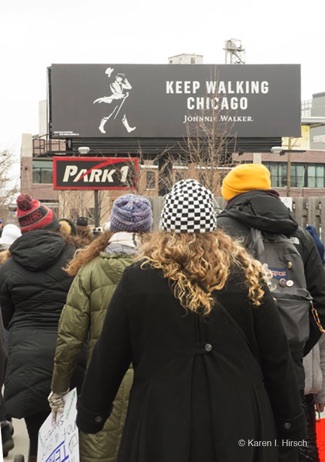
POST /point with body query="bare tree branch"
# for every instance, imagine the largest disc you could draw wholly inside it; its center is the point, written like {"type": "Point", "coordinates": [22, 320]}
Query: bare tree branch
{"type": "Point", "coordinates": [8, 184]}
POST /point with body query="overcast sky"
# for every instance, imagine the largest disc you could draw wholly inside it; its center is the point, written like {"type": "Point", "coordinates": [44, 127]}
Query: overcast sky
{"type": "Point", "coordinates": [35, 34]}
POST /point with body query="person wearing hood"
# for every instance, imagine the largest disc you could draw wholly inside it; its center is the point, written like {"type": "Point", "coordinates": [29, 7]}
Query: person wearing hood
{"type": "Point", "coordinates": [33, 290]}
{"type": "Point", "coordinates": [97, 270]}
{"type": "Point", "coordinates": [252, 203]}
{"type": "Point", "coordinates": [9, 234]}
{"type": "Point", "coordinates": [319, 243]}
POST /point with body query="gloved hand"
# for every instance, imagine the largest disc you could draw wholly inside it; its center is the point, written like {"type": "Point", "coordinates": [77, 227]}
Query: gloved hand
{"type": "Point", "coordinates": [56, 401]}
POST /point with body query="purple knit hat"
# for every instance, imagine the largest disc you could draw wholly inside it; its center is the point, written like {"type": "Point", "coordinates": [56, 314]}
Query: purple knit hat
{"type": "Point", "coordinates": [131, 213]}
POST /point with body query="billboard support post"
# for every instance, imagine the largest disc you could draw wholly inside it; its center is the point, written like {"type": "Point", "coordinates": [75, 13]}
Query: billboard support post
{"type": "Point", "coordinates": [84, 150]}
{"type": "Point", "coordinates": [96, 205]}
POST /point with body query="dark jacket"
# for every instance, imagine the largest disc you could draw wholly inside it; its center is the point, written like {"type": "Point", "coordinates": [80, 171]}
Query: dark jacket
{"type": "Point", "coordinates": [33, 290]}
{"type": "Point", "coordinates": [198, 389]}
{"type": "Point", "coordinates": [319, 244]}
{"type": "Point", "coordinates": [265, 211]}
{"type": "Point", "coordinates": [3, 352]}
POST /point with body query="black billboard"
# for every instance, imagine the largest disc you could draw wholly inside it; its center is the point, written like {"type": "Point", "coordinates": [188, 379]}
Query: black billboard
{"type": "Point", "coordinates": [157, 101]}
{"type": "Point", "coordinates": [95, 173]}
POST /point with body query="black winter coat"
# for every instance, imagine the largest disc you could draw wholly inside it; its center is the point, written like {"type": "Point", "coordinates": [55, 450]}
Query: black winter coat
{"type": "Point", "coordinates": [198, 388]}
{"type": "Point", "coordinates": [33, 290]}
{"type": "Point", "coordinates": [3, 352]}
{"type": "Point", "coordinates": [265, 211]}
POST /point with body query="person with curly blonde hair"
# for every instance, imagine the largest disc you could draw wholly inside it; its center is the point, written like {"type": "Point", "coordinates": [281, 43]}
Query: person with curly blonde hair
{"type": "Point", "coordinates": [213, 375]}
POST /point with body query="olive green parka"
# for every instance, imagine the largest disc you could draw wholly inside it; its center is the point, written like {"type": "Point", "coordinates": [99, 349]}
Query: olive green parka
{"type": "Point", "coordinates": [81, 322]}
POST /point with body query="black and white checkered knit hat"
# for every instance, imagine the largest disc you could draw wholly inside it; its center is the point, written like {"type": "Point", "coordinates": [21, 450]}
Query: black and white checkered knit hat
{"type": "Point", "coordinates": [188, 208]}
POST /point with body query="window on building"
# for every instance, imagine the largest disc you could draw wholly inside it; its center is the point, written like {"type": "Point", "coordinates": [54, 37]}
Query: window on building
{"type": "Point", "coordinates": [297, 179]}
{"type": "Point", "coordinates": [150, 180]}
{"type": "Point", "coordinates": [43, 171]}
{"type": "Point", "coordinates": [315, 176]}
{"type": "Point", "coordinates": [278, 172]}
{"type": "Point", "coordinates": [301, 175]}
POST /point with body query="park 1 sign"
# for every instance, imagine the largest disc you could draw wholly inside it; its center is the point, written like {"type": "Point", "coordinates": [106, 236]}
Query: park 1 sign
{"type": "Point", "coordinates": [95, 173]}
{"type": "Point", "coordinates": [165, 101]}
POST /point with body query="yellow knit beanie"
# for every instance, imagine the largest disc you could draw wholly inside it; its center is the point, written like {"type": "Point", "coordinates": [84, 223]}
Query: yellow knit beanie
{"type": "Point", "coordinates": [244, 178]}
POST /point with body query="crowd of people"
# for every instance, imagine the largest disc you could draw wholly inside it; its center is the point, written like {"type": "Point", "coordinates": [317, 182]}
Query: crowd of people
{"type": "Point", "coordinates": [172, 336]}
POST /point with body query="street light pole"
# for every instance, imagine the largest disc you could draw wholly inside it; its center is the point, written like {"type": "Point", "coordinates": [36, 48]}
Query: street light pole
{"type": "Point", "coordinates": [289, 167]}
{"type": "Point", "coordinates": [96, 206]}
{"type": "Point", "coordinates": [83, 150]}
{"type": "Point", "coordinates": [288, 174]}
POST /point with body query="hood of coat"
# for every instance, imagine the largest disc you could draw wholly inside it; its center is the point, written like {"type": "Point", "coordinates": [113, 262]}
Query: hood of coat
{"type": "Point", "coordinates": [262, 210]}
{"type": "Point", "coordinates": [114, 264]}
{"type": "Point", "coordinates": [37, 250]}
{"type": "Point", "coordinates": [123, 243]}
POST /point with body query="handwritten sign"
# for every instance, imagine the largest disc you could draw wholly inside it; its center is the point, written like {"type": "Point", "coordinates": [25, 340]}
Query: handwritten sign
{"type": "Point", "coordinates": [288, 202]}
{"type": "Point", "coordinates": [58, 440]}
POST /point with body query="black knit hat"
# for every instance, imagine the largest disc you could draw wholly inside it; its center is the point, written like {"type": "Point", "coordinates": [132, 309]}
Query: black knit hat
{"type": "Point", "coordinates": [82, 221]}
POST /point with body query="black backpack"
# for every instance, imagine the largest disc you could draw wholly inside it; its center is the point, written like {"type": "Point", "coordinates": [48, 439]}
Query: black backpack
{"type": "Point", "coordinates": [288, 284]}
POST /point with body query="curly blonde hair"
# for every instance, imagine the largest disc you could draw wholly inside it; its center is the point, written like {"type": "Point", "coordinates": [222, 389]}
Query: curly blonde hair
{"type": "Point", "coordinates": [200, 263]}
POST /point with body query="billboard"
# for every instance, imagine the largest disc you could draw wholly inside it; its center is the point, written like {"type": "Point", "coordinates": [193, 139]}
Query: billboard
{"type": "Point", "coordinates": [95, 173]}
{"type": "Point", "coordinates": [165, 101]}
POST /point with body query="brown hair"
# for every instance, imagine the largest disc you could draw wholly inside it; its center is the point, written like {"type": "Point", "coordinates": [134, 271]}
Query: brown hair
{"type": "Point", "coordinates": [85, 235]}
{"type": "Point", "coordinates": [84, 255]}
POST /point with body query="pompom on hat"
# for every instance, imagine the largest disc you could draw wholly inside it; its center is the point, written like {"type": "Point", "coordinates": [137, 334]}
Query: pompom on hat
{"type": "Point", "coordinates": [131, 213]}
{"type": "Point", "coordinates": [188, 208]}
{"type": "Point", "coordinates": [245, 178]}
{"type": "Point", "coordinates": [32, 215]}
